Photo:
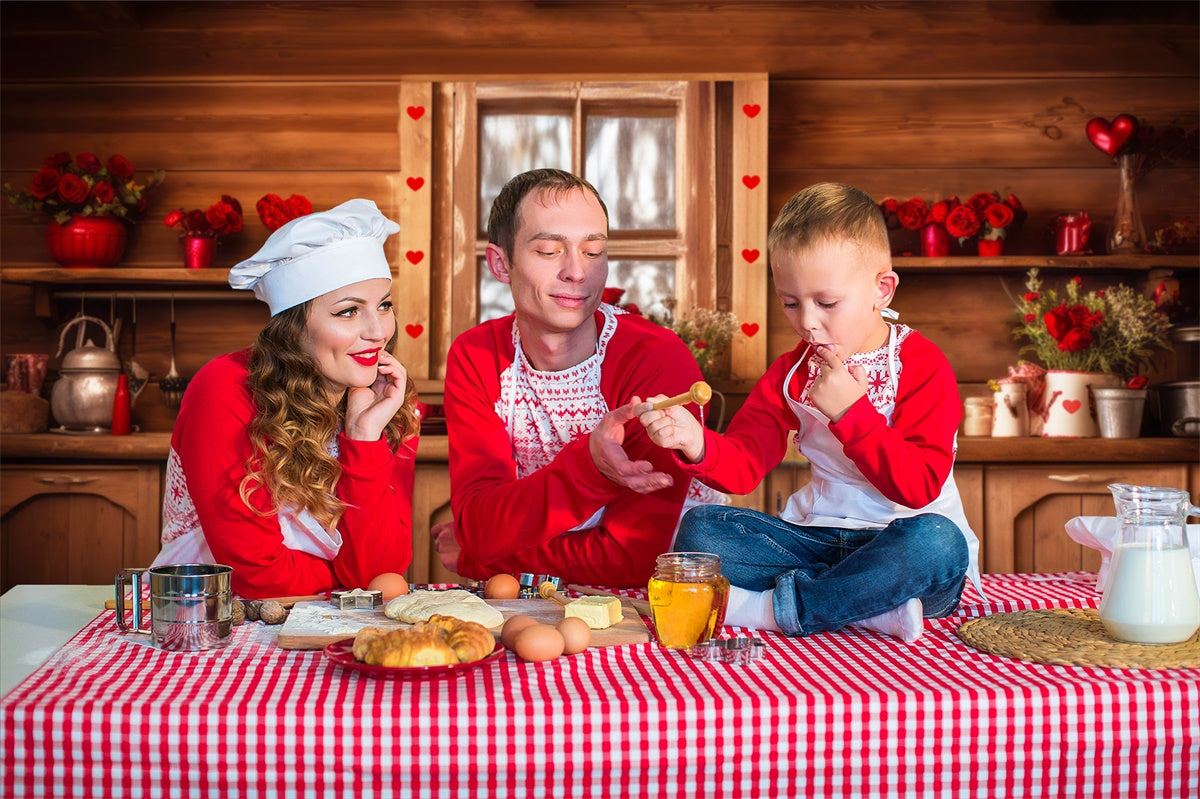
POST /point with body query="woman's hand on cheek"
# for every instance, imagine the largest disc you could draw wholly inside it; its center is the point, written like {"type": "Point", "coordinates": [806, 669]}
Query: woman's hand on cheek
{"type": "Point", "coordinates": [370, 408]}
{"type": "Point", "coordinates": [836, 386]}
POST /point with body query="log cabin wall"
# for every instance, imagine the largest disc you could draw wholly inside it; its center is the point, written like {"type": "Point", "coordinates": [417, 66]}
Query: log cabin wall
{"type": "Point", "coordinates": [902, 99]}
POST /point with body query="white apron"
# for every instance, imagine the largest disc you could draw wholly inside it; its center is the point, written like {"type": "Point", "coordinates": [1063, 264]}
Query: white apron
{"type": "Point", "coordinates": [838, 495]}
{"type": "Point", "coordinates": [545, 411]}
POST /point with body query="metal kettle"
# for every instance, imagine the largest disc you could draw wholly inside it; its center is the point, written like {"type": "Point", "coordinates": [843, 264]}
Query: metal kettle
{"type": "Point", "coordinates": [82, 398]}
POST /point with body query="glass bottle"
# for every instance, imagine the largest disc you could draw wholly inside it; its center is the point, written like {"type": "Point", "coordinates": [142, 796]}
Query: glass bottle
{"type": "Point", "coordinates": [1150, 595]}
{"type": "Point", "coordinates": [1127, 234]}
{"type": "Point", "coordinates": [688, 595]}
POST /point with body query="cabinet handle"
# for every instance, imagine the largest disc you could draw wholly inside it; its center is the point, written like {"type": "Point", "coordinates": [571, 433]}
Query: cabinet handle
{"type": "Point", "coordinates": [1080, 478]}
{"type": "Point", "coordinates": [65, 480]}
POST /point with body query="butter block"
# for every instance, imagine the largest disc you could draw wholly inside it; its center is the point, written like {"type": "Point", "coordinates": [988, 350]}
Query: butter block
{"type": "Point", "coordinates": [598, 611]}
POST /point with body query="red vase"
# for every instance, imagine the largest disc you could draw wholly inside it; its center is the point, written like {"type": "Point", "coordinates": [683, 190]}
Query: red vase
{"type": "Point", "coordinates": [87, 241]}
{"type": "Point", "coordinates": [198, 251]}
{"type": "Point", "coordinates": [991, 247]}
{"type": "Point", "coordinates": [935, 241]}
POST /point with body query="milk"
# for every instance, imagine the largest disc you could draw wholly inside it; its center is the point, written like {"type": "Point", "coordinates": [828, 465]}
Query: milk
{"type": "Point", "coordinates": [1151, 595]}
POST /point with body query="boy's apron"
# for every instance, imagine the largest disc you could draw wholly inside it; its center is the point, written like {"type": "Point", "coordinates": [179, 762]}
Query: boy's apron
{"type": "Point", "coordinates": [838, 495]}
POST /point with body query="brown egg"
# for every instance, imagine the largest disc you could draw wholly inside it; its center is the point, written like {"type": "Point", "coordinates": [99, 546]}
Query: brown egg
{"type": "Point", "coordinates": [514, 625]}
{"type": "Point", "coordinates": [389, 584]}
{"type": "Point", "coordinates": [576, 634]}
{"type": "Point", "coordinates": [502, 586]}
{"type": "Point", "coordinates": [538, 643]}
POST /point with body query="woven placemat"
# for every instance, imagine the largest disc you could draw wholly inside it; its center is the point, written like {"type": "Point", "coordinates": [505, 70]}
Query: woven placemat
{"type": "Point", "coordinates": [1071, 637]}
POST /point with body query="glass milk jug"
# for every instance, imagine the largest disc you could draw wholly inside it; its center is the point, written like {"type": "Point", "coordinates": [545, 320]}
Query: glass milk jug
{"type": "Point", "coordinates": [1150, 596]}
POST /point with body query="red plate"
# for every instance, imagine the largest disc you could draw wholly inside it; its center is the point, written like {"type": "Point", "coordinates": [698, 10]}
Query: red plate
{"type": "Point", "coordinates": [342, 653]}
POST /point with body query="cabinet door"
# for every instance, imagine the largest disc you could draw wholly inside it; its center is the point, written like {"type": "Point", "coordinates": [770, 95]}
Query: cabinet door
{"type": "Point", "coordinates": [431, 505]}
{"type": "Point", "coordinates": [77, 524]}
{"type": "Point", "coordinates": [1027, 508]}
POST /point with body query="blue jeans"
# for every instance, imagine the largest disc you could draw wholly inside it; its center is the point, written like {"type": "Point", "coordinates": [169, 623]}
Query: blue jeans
{"type": "Point", "coordinates": [827, 577]}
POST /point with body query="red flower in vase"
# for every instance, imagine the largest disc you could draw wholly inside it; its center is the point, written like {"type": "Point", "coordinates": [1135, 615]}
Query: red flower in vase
{"type": "Point", "coordinates": [222, 218]}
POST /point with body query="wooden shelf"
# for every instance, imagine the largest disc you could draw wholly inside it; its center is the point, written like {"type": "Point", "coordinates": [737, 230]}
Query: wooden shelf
{"type": "Point", "coordinates": [1141, 263]}
{"type": "Point", "coordinates": [175, 276]}
{"type": "Point", "coordinates": [178, 276]}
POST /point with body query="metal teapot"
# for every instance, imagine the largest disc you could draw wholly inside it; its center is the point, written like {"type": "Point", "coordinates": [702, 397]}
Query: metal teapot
{"type": "Point", "coordinates": [82, 398]}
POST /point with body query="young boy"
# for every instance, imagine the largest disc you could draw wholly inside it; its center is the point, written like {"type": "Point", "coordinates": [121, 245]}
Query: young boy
{"type": "Point", "coordinates": [878, 537]}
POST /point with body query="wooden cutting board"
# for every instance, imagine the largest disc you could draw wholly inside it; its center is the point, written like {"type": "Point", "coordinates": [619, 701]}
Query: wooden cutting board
{"type": "Point", "coordinates": [315, 625]}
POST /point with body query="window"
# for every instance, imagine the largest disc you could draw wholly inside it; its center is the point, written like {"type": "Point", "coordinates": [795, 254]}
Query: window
{"type": "Point", "coordinates": [667, 156]}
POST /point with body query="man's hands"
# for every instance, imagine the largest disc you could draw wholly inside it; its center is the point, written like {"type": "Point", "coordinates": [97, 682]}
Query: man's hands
{"type": "Point", "coordinates": [608, 453]}
{"type": "Point", "coordinates": [446, 545]}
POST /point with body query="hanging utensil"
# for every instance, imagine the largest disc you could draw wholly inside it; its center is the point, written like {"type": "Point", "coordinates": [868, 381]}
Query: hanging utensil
{"type": "Point", "coordinates": [138, 376]}
{"type": "Point", "coordinates": [173, 385]}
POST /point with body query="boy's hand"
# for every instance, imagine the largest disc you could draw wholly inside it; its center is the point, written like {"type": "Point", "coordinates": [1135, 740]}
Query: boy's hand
{"type": "Point", "coordinates": [672, 428]}
{"type": "Point", "coordinates": [605, 445]}
{"type": "Point", "coordinates": [835, 387]}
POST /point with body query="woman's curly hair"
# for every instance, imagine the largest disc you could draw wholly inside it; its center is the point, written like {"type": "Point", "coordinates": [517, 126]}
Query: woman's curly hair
{"type": "Point", "coordinates": [294, 423]}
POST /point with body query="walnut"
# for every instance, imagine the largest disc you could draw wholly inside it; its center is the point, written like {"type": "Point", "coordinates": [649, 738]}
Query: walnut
{"type": "Point", "coordinates": [239, 612]}
{"type": "Point", "coordinates": [272, 612]}
{"type": "Point", "coordinates": [252, 607]}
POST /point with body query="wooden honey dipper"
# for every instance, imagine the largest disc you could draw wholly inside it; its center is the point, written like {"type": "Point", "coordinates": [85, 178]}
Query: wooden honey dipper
{"type": "Point", "coordinates": [549, 590]}
{"type": "Point", "coordinates": [700, 393]}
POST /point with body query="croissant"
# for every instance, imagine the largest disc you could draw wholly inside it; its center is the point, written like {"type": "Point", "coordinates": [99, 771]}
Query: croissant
{"type": "Point", "coordinates": [470, 640]}
{"type": "Point", "coordinates": [441, 641]}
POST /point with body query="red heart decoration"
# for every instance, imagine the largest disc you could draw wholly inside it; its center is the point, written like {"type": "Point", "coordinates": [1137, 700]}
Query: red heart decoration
{"type": "Point", "coordinates": [751, 181]}
{"type": "Point", "coordinates": [1111, 138]}
{"type": "Point", "coordinates": [750, 328]}
{"type": "Point", "coordinates": [414, 330]}
{"type": "Point", "coordinates": [416, 111]}
{"type": "Point", "coordinates": [1070, 406]}
{"type": "Point", "coordinates": [750, 255]}
{"type": "Point", "coordinates": [414, 256]}
{"type": "Point", "coordinates": [751, 109]}
{"type": "Point", "coordinates": [415, 183]}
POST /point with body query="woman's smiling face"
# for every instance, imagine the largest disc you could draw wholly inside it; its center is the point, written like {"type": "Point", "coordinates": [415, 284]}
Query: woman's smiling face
{"type": "Point", "coordinates": [346, 329]}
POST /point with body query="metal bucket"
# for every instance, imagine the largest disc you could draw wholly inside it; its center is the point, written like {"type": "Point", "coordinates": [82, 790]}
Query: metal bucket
{"type": "Point", "coordinates": [1119, 411]}
{"type": "Point", "coordinates": [191, 605]}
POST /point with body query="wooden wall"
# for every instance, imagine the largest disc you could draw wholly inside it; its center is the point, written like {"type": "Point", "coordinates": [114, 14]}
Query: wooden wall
{"type": "Point", "coordinates": [901, 99]}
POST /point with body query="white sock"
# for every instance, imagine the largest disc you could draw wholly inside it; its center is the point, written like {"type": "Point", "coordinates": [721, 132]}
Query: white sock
{"type": "Point", "coordinates": [904, 622]}
{"type": "Point", "coordinates": [754, 609]}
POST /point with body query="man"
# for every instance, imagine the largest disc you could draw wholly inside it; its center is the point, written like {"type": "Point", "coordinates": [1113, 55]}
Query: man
{"type": "Point", "coordinates": [536, 405]}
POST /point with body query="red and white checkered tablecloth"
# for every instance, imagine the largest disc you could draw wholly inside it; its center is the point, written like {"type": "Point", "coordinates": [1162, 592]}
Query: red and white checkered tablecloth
{"type": "Point", "coordinates": [837, 714]}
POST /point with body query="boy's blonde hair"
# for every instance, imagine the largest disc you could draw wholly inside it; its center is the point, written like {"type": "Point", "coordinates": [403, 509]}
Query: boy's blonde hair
{"type": "Point", "coordinates": [828, 211]}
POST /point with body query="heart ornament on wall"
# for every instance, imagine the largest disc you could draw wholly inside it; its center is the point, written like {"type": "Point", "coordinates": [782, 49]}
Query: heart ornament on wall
{"type": "Point", "coordinates": [1111, 138]}
{"type": "Point", "coordinates": [414, 330]}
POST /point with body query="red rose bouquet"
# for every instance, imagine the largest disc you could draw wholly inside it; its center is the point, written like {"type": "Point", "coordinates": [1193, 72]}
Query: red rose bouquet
{"type": "Point", "coordinates": [1112, 330]}
{"type": "Point", "coordinates": [85, 185]}
{"type": "Point", "coordinates": [916, 214]}
{"type": "Point", "coordinates": [275, 212]}
{"type": "Point", "coordinates": [987, 216]}
{"type": "Point", "coordinates": [219, 219]}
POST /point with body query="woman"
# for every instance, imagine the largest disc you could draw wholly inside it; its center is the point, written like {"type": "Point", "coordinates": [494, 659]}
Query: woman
{"type": "Point", "coordinates": [292, 461]}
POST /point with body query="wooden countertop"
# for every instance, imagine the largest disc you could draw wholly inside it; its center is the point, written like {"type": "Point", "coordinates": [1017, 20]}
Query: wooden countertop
{"type": "Point", "coordinates": [154, 446]}
{"type": "Point", "coordinates": [135, 447]}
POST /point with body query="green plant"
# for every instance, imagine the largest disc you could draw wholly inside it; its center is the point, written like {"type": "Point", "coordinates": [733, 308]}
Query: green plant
{"type": "Point", "coordinates": [1112, 330]}
{"type": "Point", "coordinates": [707, 333]}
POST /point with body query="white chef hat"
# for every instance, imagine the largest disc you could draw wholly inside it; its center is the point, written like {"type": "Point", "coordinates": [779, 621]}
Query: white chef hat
{"type": "Point", "coordinates": [317, 253]}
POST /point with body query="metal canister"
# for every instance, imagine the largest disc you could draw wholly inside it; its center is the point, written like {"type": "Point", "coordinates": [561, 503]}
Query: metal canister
{"type": "Point", "coordinates": [191, 605]}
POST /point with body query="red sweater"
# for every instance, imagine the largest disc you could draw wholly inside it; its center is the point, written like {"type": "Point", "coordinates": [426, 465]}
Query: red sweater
{"type": "Point", "coordinates": [510, 524]}
{"type": "Point", "coordinates": [213, 445]}
{"type": "Point", "coordinates": [907, 461]}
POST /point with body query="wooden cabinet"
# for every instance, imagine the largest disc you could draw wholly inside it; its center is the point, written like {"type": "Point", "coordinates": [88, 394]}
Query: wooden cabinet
{"type": "Point", "coordinates": [1027, 507]}
{"type": "Point", "coordinates": [70, 523]}
{"type": "Point", "coordinates": [431, 505]}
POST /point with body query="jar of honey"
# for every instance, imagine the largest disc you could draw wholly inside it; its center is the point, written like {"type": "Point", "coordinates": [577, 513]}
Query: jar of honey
{"type": "Point", "coordinates": [688, 595]}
